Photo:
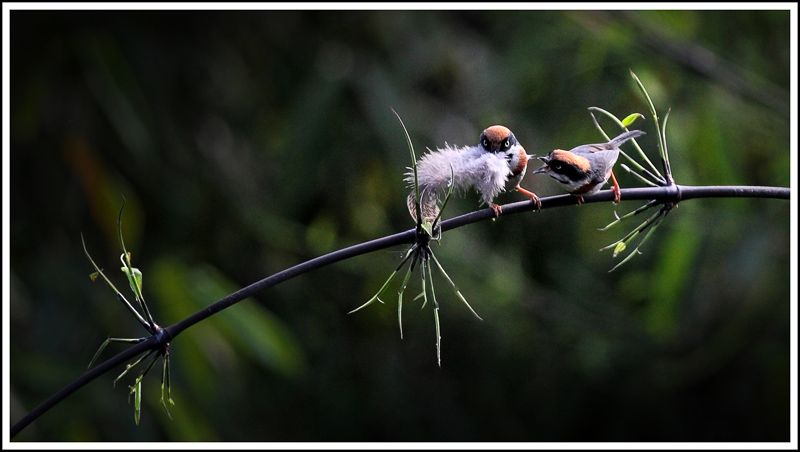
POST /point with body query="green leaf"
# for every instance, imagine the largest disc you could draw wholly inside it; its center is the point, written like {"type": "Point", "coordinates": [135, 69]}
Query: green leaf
{"type": "Point", "coordinates": [100, 350]}
{"type": "Point", "coordinates": [115, 339]}
{"type": "Point", "coordinates": [453, 285]}
{"type": "Point", "coordinates": [165, 385]}
{"type": "Point", "coordinates": [96, 268]}
{"type": "Point", "coordinates": [631, 118]}
{"type": "Point", "coordinates": [438, 336]}
{"type": "Point", "coordinates": [427, 226]}
{"type": "Point", "coordinates": [134, 280]}
{"type": "Point", "coordinates": [400, 292]}
{"type": "Point", "coordinates": [133, 364]}
{"type": "Point", "coordinates": [619, 248]}
{"type": "Point", "coordinates": [414, 167]}
{"type": "Point", "coordinates": [635, 144]}
{"type": "Point", "coordinates": [651, 223]}
{"type": "Point", "coordinates": [435, 318]}
{"type": "Point", "coordinates": [424, 262]}
{"type": "Point", "coordinates": [389, 280]}
{"type": "Point", "coordinates": [137, 401]}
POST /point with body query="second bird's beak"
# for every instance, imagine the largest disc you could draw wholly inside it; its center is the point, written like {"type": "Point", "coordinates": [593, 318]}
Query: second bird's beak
{"type": "Point", "coordinates": [544, 167]}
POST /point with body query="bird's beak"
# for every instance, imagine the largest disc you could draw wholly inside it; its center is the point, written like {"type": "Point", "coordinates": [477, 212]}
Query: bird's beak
{"type": "Point", "coordinates": [544, 167]}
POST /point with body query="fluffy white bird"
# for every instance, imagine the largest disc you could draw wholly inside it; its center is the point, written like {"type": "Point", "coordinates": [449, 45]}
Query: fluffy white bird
{"type": "Point", "coordinates": [495, 165]}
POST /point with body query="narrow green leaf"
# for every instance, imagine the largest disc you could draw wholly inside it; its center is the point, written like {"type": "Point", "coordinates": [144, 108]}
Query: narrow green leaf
{"type": "Point", "coordinates": [100, 350]}
{"type": "Point", "coordinates": [137, 401]}
{"type": "Point", "coordinates": [646, 96]}
{"type": "Point", "coordinates": [169, 394]}
{"type": "Point", "coordinates": [631, 118]}
{"type": "Point", "coordinates": [137, 278]}
{"type": "Point", "coordinates": [628, 215]}
{"type": "Point", "coordinates": [400, 298]}
{"type": "Point", "coordinates": [625, 242]}
{"type": "Point", "coordinates": [658, 217]}
{"type": "Point", "coordinates": [111, 285]}
{"type": "Point", "coordinates": [96, 268]}
{"type": "Point", "coordinates": [424, 294]}
{"type": "Point", "coordinates": [455, 288]}
{"type": "Point", "coordinates": [165, 385]}
{"type": "Point", "coordinates": [141, 376]}
{"type": "Point", "coordinates": [633, 233]}
{"type": "Point", "coordinates": [125, 252]}
{"type": "Point", "coordinates": [134, 279]}
{"type": "Point", "coordinates": [414, 168]}
{"type": "Point", "coordinates": [652, 108]}
{"type": "Point", "coordinates": [388, 281]}
{"type": "Point", "coordinates": [435, 318]}
{"type": "Point", "coordinates": [665, 156]}
{"type": "Point", "coordinates": [635, 143]}
{"type": "Point", "coordinates": [136, 288]}
{"type": "Point", "coordinates": [114, 339]}
{"type": "Point", "coordinates": [438, 336]}
{"type": "Point", "coordinates": [134, 364]}
{"type": "Point", "coordinates": [637, 175]}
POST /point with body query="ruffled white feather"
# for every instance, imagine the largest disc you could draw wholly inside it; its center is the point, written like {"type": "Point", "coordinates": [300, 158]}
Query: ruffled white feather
{"type": "Point", "coordinates": [472, 167]}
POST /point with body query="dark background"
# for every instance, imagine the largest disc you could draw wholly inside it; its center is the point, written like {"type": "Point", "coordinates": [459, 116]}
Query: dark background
{"type": "Point", "coordinates": [247, 142]}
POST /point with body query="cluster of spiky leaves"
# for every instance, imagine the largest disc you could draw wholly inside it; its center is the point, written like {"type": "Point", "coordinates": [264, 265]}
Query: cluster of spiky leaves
{"type": "Point", "coordinates": [649, 175]}
{"type": "Point", "coordinates": [134, 276]}
{"type": "Point", "coordinates": [420, 252]}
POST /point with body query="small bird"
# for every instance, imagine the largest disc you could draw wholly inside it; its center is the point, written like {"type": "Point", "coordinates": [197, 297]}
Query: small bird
{"type": "Point", "coordinates": [495, 165]}
{"type": "Point", "coordinates": [585, 169]}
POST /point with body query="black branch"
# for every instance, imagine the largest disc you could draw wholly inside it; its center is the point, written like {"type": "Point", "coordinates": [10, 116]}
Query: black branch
{"type": "Point", "coordinates": [666, 194]}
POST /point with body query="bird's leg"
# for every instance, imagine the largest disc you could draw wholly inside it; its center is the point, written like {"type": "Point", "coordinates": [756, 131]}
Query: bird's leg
{"type": "Point", "coordinates": [531, 195]}
{"type": "Point", "coordinates": [615, 189]}
{"type": "Point", "coordinates": [497, 209]}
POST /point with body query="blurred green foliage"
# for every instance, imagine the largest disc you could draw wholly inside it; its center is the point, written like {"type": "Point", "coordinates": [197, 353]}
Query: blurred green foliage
{"type": "Point", "coordinates": [246, 142]}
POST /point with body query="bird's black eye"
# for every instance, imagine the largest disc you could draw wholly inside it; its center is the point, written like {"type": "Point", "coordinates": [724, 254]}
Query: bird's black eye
{"type": "Point", "coordinates": [555, 165]}
{"type": "Point", "coordinates": [485, 143]}
{"type": "Point", "coordinates": [506, 143]}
